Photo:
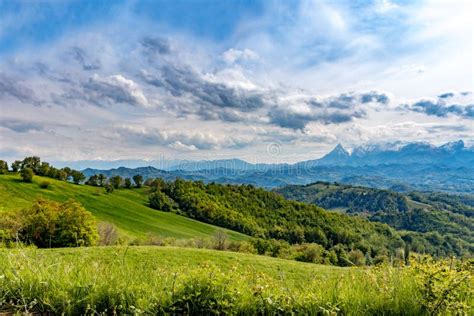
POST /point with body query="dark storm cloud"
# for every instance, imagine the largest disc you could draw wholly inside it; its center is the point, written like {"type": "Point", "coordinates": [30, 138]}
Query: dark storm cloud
{"type": "Point", "coordinates": [441, 109]}
{"type": "Point", "coordinates": [374, 97]}
{"type": "Point", "coordinates": [182, 81]}
{"type": "Point", "coordinates": [332, 110]}
{"type": "Point", "coordinates": [113, 89]}
{"type": "Point", "coordinates": [13, 88]}
{"type": "Point", "coordinates": [84, 59]}
{"type": "Point", "coordinates": [299, 121]}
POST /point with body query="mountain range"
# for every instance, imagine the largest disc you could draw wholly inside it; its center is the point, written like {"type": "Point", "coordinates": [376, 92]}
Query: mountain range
{"type": "Point", "coordinates": [401, 167]}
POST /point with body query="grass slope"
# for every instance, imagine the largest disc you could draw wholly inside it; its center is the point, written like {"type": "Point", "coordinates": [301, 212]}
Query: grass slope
{"type": "Point", "coordinates": [126, 208]}
{"type": "Point", "coordinates": [162, 280]}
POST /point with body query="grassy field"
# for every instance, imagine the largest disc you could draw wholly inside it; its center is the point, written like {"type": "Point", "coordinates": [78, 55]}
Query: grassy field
{"type": "Point", "coordinates": [158, 280]}
{"type": "Point", "coordinates": [126, 208]}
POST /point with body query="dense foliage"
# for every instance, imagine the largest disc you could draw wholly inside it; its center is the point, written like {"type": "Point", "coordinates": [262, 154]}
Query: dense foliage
{"type": "Point", "coordinates": [49, 224]}
{"type": "Point", "coordinates": [435, 222]}
{"type": "Point", "coordinates": [352, 199]}
{"type": "Point", "coordinates": [267, 215]}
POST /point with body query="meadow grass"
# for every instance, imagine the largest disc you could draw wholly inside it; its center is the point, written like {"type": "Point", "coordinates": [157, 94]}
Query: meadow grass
{"type": "Point", "coordinates": [126, 208]}
{"type": "Point", "coordinates": [161, 280]}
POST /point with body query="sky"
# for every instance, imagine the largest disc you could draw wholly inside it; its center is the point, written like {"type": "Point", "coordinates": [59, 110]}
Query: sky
{"type": "Point", "coordinates": [264, 81]}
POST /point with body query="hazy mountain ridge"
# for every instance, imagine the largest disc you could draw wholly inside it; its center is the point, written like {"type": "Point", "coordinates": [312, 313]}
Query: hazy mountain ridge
{"type": "Point", "coordinates": [414, 166]}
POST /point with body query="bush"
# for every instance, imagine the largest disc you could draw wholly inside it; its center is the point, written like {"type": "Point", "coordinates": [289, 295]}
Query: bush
{"type": "Point", "coordinates": [220, 240]}
{"type": "Point", "coordinates": [48, 224]}
{"type": "Point", "coordinates": [161, 202]}
{"type": "Point", "coordinates": [27, 174]}
{"type": "Point", "coordinates": [44, 184]}
{"type": "Point", "coordinates": [310, 253]}
{"type": "Point", "coordinates": [109, 188]}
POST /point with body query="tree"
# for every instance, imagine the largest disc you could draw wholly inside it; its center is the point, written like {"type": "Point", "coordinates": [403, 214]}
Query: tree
{"type": "Point", "coordinates": [3, 167]}
{"type": "Point", "coordinates": [161, 202]}
{"type": "Point", "coordinates": [128, 183]}
{"type": "Point", "coordinates": [16, 165]}
{"type": "Point", "coordinates": [68, 172]}
{"type": "Point", "coordinates": [101, 179]}
{"type": "Point", "coordinates": [43, 169]}
{"type": "Point", "coordinates": [62, 175]}
{"type": "Point", "coordinates": [31, 162]}
{"type": "Point", "coordinates": [27, 174]}
{"type": "Point", "coordinates": [116, 181]}
{"type": "Point", "coordinates": [138, 179]}
{"type": "Point", "coordinates": [77, 176]}
{"type": "Point", "coordinates": [93, 181]}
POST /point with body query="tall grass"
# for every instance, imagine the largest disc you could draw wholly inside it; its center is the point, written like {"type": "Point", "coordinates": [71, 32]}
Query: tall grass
{"type": "Point", "coordinates": [154, 280]}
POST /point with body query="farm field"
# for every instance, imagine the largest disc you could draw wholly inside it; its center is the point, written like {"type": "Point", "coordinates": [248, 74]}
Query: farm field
{"type": "Point", "coordinates": [126, 208]}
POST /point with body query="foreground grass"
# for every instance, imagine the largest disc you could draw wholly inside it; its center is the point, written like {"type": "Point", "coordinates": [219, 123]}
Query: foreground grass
{"type": "Point", "coordinates": [159, 280]}
{"type": "Point", "coordinates": [126, 208]}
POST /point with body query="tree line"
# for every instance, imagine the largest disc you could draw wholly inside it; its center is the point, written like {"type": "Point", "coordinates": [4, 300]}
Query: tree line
{"type": "Point", "coordinates": [31, 166]}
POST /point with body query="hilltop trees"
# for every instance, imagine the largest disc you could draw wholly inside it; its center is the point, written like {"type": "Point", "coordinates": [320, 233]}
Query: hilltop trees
{"type": "Point", "coordinates": [116, 181]}
{"type": "Point", "coordinates": [138, 179]}
{"type": "Point", "coordinates": [127, 183]}
{"type": "Point", "coordinates": [16, 165]}
{"type": "Point", "coordinates": [77, 176]}
{"type": "Point", "coordinates": [31, 162]}
{"type": "Point", "coordinates": [93, 181]}
{"type": "Point", "coordinates": [31, 166]}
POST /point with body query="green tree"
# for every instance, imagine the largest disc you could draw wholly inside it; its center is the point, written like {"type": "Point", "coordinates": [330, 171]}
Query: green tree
{"type": "Point", "coordinates": [161, 202]}
{"type": "Point", "coordinates": [43, 169]}
{"type": "Point", "coordinates": [128, 183]}
{"type": "Point", "coordinates": [77, 176]}
{"type": "Point", "coordinates": [32, 163]}
{"type": "Point", "coordinates": [3, 167]}
{"type": "Point", "coordinates": [116, 181]}
{"type": "Point", "coordinates": [101, 179]}
{"type": "Point", "coordinates": [93, 181]}
{"type": "Point", "coordinates": [138, 179]}
{"type": "Point", "coordinates": [27, 174]}
{"type": "Point", "coordinates": [16, 166]}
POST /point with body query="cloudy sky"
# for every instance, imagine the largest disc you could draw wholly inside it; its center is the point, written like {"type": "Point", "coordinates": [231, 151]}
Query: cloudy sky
{"type": "Point", "coordinates": [264, 81]}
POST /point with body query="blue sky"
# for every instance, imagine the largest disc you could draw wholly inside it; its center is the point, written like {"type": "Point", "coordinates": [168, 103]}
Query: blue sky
{"type": "Point", "coordinates": [208, 79]}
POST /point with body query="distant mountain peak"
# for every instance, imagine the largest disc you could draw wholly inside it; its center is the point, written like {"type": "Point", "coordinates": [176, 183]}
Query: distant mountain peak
{"type": "Point", "coordinates": [453, 146]}
{"type": "Point", "coordinates": [339, 150]}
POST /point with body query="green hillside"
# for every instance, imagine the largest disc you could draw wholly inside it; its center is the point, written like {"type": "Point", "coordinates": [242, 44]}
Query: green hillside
{"type": "Point", "coordinates": [126, 208]}
{"type": "Point", "coordinates": [179, 281]}
{"type": "Point", "coordinates": [443, 220]}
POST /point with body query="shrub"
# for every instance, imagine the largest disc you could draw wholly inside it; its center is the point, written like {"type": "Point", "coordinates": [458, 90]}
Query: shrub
{"type": "Point", "coordinates": [52, 224]}
{"type": "Point", "coordinates": [109, 188]}
{"type": "Point", "coordinates": [220, 240]}
{"type": "Point", "coordinates": [161, 201]}
{"type": "Point", "coordinates": [44, 184]}
{"type": "Point", "coordinates": [310, 253]}
{"type": "Point", "coordinates": [27, 174]}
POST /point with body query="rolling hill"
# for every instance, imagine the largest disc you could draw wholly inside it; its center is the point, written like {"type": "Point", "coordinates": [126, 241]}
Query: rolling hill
{"type": "Point", "coordinates": [433, 213]}
{"type": "Point", "coordinates": [126, 208]}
